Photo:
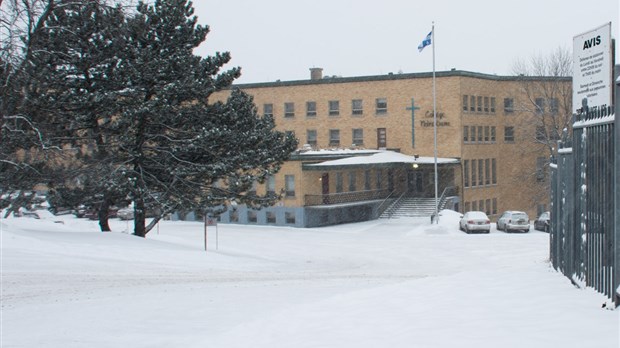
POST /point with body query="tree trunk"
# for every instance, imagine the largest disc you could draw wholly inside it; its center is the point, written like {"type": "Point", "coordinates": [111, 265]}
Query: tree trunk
{"type": "Point", "coordinates": [139, 217]}
{"type": "Point", "coordinates": [104, 212]}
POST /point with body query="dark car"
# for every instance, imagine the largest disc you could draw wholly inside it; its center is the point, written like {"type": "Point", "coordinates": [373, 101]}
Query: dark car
{"type": "Point", "coordinates": [542, 222]}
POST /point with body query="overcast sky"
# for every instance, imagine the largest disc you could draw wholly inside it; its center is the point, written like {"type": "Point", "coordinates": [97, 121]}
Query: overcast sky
{"type": "Point", "coordinates": [282, 39]}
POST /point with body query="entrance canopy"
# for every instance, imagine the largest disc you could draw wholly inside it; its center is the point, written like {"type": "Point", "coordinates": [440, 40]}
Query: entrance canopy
{"type": "Point", "coordinates": [381, 159]}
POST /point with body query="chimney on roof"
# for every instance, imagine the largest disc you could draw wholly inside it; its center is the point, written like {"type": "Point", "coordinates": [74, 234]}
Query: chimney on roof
{"type": "Point", "coordinates": [316, 73]}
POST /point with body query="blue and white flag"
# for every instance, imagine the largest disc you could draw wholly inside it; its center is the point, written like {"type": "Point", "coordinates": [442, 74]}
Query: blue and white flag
{"type": "Point", "coordinates": [426, 41]}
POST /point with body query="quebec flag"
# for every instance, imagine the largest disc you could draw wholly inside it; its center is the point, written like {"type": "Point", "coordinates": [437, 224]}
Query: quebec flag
{"type": "Point", "coordinates": [426, 41]}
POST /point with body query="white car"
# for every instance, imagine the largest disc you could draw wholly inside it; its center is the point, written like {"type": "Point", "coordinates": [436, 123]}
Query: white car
{"type": "Point", "coordinates": [513, 221]}
{"type": "Point", "coordinates": [475, 221]}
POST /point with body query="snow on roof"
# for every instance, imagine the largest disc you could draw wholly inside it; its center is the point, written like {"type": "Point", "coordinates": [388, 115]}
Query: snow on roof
{"type": "Point", "coordinates": [385, 157]}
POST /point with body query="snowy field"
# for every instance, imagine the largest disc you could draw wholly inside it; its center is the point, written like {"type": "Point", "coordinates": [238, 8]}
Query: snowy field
{"type": "Point", "coordinates": [386, 283]}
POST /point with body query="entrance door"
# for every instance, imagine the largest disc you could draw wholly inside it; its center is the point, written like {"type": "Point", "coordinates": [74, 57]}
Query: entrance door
{"type": "Point", "coordinates": [415, 181]}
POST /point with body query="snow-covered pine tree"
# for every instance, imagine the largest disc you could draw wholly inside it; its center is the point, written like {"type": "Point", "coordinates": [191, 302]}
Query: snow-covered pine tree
{"type": "Point", "coordinates": [175, 145]}
{"type": "Point", "coordinates": [74, 59]}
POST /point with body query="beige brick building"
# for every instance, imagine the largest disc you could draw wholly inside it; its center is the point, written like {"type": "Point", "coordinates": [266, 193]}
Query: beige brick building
{"type": "Point", "coordinates": [485, 137]}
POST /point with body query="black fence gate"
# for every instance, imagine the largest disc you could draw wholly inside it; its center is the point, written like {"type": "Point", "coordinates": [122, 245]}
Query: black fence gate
{"type": "Point", "coordinates": [585, 210]}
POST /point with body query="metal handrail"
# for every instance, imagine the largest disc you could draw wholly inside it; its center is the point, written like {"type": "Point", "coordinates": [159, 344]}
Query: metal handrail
{"type": "Point", "coordinates": [383, 206]}
{"type": "Point", "coordinates": [395, 203]}
{"type": "Point", "coordinates": [442, 198]}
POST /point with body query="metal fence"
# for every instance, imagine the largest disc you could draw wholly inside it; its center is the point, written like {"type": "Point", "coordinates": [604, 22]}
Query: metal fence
{"type": "Point", "coordinates": [584, 236]}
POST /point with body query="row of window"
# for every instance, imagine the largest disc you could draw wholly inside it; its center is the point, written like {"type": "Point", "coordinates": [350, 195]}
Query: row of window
{"type": "Point", "coordinates": [368, 178]}
{"type": "Point", "coordinates": [478, 104]}
{"type": "Point", "coordinates": [486, 134]}
{"type": "Point", "coordinates": [479, 172]}
{"type": "Point", "coordinates": [270, 217]}
{"type": "Point", "coordinates": [270, 185]}
{"type": "Point", "coordinates": [333, 108]}
{"type": "Point", "coordinates": [489, 206]}
{"type": "Point", "coordinates": [357, 137]}
{"type": "Point", "coordinates": [486, 105]}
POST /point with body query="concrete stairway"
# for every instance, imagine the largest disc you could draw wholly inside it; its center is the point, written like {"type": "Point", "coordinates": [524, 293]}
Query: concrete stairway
{"type": "Point", "coordinates": [410, 207]}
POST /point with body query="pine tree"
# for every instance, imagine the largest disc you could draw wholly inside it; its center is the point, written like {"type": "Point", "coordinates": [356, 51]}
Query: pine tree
{"type": "Point", "coordinates": [76, 55]}
{"type": "Point", "coordinates": [177, 146]}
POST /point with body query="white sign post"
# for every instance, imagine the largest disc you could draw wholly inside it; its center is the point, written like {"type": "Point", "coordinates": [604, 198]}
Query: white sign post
{"type": "Point", "coordinates": [211, 221]}
{"type": "Point", "coordinates": [592, 68]}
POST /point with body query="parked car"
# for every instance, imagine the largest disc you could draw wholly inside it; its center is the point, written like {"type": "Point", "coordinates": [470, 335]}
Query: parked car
{"type": "Point", "coordinates": [513, 221]}
{"type": "Point", "coordinates": [542, 222]}
{"type": "Point", "coordinates": [125, 213]}
{"type": "Point", "coordinates": [475, 221]}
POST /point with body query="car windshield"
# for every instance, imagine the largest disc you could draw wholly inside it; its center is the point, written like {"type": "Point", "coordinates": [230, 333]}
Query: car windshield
{"type": "Point", "coordinates": [544, 215]}
{"type": "Point", "coordinates": [519, 216]}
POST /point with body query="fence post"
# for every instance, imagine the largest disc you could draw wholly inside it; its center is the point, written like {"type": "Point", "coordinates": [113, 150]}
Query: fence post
{"type": "Point", "coordinates": [616, 237]}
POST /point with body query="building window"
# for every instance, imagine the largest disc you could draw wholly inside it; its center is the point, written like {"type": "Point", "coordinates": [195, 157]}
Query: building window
{"type": "Point", "coordinates": [473, 173]}
{"type": "Point", "coordinates": [352, 182]}
{"type": "Point", "coordinates": [509, 105]}
{"type": "Point", "coordinates": [472, 138]}
{"type": "Point", "coordinates": [486, 134]}
{"type": "Point", "coordinates": [289, 183]}
{"type": "Point", "coordinates": [480, 172]}
{"type": "Point", "coordinates": [379, 174]}
{"type": "Point", "coordinates": [357, 107]}
{"type": "Point", "coordinates": [479, 104]}
{"type": "Point", "coordinates": [492, 105]}
{"type": "Point", "coordinates": [465, 103]}
{"type": "Point", "coordinates": [271, 185]}
{"type": "Point", "coordinates": [487, 205]}
{"type": "Point", "coordinates": [487, 172]}
{"type": "Point", "coordinates": [479, 134]}
{"type": "Point", "coordinates": [541, 164]}
{"type": "Point", "coordinates": [334, 107]}
{"type": "Point", "coordinates": [540, 105]}
{"type": "Point", "coordinates": [339, 182]}
{"type": "Point", "coordinates": [486, 105]}
{"type": "Point", "coordinates": [467, 207]}
{"type": "Point", "coordinates": [474, 205]}
{"type": "Point", "coordinates": [494, 206]}
{"type": "Point", "coordinates": [334, 137]}
{"type": "Point", "coordinates": [289, 217]}
{"type": "Point", "coordinates": [381, 106]}
{"type": "Point", "coordinates": [367, 180]}
{"type": "Point", "coordinates": [311, 137]}
{"type": "Point", "coordinates": [311, 109]}
{"type": "Point", "coordinates": [509, 134]}
{"type": "Point", "coordinates": [466, 173]}
{"type": "Point", "coordinates": [381, 138]}
{"type": "Point", "coordinates": [493, 171]}
{"type": "Point", "coordinates": [268, 110]}
{"type": "Point", "coordinates": [465, 134]}
{"type": "Point", "coordinates": [289, 109]}
{"type": "Point", "coordinates": [492, 134]}
{"type": "Point", "coordinates": [358, 136]}
{"type": "Point", "coordinates": [472, 103]}
{"type": "Point", "coordinates": [252, 216]}
{"type": "Point", "coordinates": [554, 106]}
{"type": "Point", "coordinates": [271, 217]}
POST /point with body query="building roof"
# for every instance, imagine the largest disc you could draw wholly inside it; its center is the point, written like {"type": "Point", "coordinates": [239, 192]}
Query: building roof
{"type": "Point", "coordinates": [392, 76]}
{"type": "Point", "coordinates": [380, 158]}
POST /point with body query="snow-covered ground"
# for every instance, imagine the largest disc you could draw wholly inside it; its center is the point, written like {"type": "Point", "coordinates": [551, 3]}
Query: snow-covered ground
{"type": "Point", "coordinates": [386, 283]}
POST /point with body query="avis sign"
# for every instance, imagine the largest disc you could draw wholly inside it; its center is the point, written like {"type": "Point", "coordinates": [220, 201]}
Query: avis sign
{"type": "Point", "coordinates": [592, 73]}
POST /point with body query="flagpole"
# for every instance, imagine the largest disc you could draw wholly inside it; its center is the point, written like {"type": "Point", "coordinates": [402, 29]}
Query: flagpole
{"type": "Point", "coordinates": [435, 124]}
